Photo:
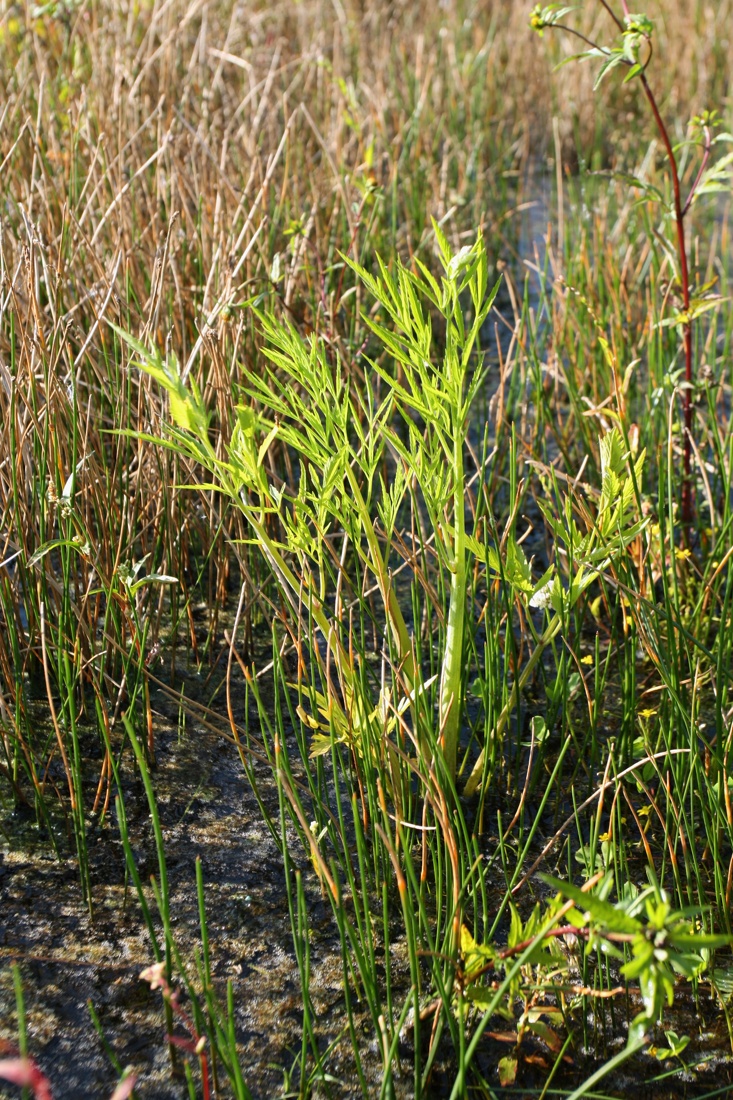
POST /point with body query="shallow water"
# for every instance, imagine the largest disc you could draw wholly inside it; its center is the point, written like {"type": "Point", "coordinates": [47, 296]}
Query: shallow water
{"type": "Point", "coordinates": [206, 810]}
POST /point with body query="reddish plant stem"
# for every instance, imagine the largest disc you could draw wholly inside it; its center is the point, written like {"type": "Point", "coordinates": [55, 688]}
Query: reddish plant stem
{"type": "Point", "coordinates": [577, 34]}
{"type": "Point", "coordinates": [552, 933]}
{"type": "Point", "coordinates": [566, 930]}
{"type": "Point", "coordinates": [680, 209]}
{"type": "Point", "coordinates": [679, 215]}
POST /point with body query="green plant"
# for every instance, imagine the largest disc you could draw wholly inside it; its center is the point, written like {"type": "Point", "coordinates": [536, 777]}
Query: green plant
{"type": "Point", "coordinates": [623, 709]}
{"type": "Point", "coordinates": [329, 534]}
{"type": "Point", "coordinates": [530, 1001]}
{"type": "Point", "coordinates": [344, 440]}
{"type": "Point", "coordinates": [652, 943]}
{"type": "Point", "coordinates": [209, 1024]}
{"type": "Point", "coordinates": [632, 52]}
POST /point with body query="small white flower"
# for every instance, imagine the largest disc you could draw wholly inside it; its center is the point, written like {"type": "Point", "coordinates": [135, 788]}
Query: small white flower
{"type": "Point", "coordinates": [543, 596]}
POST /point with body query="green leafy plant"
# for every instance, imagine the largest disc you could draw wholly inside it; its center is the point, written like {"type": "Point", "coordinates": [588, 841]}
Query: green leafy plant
{"type": "Point", "coordinates": [343, 438]}
{"type": "Point", "coordinates": [654, 946]}
{"type": "Point", "coordinates": [663, 943]}
{"type": "Point", "coordinates": [530, 994]}
{"type": "Point", "coordinates": [441, 397]}
{"type": "Point", "coordinates": [632, 52]}
{"type": "Point", "coordinates": [329, 468]}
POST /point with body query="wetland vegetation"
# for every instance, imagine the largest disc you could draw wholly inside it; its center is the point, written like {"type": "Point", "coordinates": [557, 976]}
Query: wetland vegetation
{"type": "Point", "coordinates": [366, 527]}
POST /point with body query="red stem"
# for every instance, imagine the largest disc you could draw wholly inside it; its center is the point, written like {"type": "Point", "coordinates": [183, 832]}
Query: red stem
{"type": "Point", "coordinates": [679, 214]}
{"type": "Point", "coordinates": [577, 34]}
{"type": "Point", "coordinates": [204, 1063]}
{"type": "Point", "coordinates": [566, 930]}
{"type": "Point", "coordinates": [552, 933]}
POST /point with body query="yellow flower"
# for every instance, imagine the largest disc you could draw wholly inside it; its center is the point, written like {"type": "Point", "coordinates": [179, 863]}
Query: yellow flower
{"type": "Point", "coordinates": [536, 21]}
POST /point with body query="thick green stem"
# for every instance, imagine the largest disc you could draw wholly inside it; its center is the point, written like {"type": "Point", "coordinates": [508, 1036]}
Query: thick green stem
{"type": "Point", "coordinates": [474, 780]}
{"type": "Point", "coordinates": [450, 682]}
